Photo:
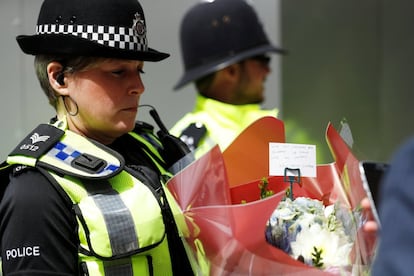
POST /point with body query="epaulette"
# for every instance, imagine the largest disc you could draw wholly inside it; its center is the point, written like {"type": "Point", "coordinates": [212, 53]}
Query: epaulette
{"type": "Point", "coordinates": [193, 134]}
{"type": "Point", "coordinates": [38, 142]}
{"type": "Point", "coordinates": [66, 153]}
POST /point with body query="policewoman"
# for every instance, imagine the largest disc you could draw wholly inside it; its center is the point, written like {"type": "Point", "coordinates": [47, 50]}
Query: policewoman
{"type": "Point", "coordinates": [83, 193]}
{"type": "Point", "coordinates": [226, 54]}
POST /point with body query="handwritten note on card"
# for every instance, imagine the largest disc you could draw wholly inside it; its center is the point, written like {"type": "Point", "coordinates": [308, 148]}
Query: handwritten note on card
{"type": "Point", "coordinates": [293, 156]}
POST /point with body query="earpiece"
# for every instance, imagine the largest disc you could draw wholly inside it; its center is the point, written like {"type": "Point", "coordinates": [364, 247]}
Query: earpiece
{"type": "Point", "coordinates": [60, 78]}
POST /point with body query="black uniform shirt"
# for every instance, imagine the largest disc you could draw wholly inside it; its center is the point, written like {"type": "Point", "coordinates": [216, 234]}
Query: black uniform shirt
{"type": "Point", "coordinates": [37, 228]}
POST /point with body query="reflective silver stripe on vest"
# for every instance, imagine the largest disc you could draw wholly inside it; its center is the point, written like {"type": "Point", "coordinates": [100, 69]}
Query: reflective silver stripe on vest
{"type": "Point", "coordinates": [118, 219]}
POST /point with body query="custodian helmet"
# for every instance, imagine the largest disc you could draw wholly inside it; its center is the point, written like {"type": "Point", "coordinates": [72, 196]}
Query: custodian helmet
{"type": "Point", "coordinates": [215, 34]}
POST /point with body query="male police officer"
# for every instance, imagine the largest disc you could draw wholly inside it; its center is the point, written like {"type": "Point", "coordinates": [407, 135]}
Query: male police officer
{"type": "Point", "coordinates": [226, 54]}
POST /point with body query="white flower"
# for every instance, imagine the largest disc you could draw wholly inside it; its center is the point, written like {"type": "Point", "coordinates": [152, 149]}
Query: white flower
{"type": "Point", "coordinates": [333, 246]}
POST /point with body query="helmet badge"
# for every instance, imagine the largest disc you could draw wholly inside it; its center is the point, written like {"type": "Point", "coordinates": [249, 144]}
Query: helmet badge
{"type": "Point", "coordinates": [138, 25]}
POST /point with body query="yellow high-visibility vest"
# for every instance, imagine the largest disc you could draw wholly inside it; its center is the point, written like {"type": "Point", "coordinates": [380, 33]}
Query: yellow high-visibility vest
{"type": "Point", "coordinates": [121, 216]}
{"type": "Point", "coordinates": [223, 122]}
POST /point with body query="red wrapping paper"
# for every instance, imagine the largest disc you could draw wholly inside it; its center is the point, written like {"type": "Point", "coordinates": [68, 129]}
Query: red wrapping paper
{"type": "Point", "coordinates": [225, 217]}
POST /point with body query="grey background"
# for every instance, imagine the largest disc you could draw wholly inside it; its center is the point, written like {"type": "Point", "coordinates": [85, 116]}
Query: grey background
{"type": "Point", "coordinates": [347, 58]}
{"type": "Point", "coordinates": [351, 59]}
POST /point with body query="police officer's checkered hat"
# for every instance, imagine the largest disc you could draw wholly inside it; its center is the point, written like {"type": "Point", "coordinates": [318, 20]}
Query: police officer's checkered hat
{"type": "Point", "coordinates": [102, 28]}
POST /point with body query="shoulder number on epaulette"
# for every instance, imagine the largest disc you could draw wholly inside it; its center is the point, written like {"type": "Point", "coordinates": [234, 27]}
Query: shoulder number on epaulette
{"type": "Point", "coordinates": [39, 141]}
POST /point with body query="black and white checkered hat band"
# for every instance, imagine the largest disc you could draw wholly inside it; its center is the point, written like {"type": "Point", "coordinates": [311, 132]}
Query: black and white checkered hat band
{"type": "Point", "coordinates": [110, 36]}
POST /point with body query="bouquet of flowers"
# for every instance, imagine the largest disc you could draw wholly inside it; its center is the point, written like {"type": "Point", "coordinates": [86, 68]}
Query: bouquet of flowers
{"type": "Point", "coordinates": [233, 227]}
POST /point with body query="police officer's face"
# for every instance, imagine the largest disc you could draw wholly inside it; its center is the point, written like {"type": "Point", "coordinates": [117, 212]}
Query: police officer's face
{"type": "Point", "coordinates": [107, 96]}
{"type": "Point", "coordinates": [253, 75]}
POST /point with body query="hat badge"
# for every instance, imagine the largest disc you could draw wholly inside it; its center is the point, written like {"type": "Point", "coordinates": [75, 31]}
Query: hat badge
{"type": "Point", "coordinates": [138, 25]}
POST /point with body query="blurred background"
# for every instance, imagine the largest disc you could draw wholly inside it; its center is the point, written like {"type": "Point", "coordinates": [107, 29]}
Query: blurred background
{"type": "Point", "coordinates": [347, 59]}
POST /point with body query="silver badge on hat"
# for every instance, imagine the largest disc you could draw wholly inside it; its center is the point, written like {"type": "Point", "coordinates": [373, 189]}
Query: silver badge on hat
{"type": "Point", "coordinates": [138, 25]}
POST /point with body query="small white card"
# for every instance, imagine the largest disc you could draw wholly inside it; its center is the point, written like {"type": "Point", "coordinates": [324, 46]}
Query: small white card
{"type": "Point", "coordinates": [292, 156]}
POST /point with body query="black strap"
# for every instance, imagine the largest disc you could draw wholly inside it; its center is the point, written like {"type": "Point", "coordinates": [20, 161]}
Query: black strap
{"type": "Point", "coordinates": [179, 259]}
{"type": "Point", "coordinates": [5, 170]}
